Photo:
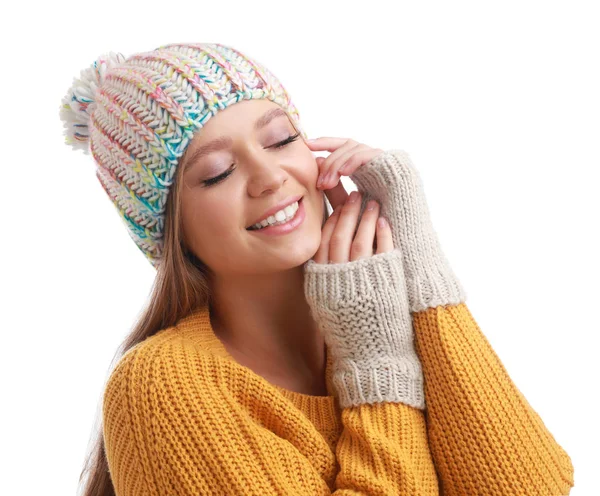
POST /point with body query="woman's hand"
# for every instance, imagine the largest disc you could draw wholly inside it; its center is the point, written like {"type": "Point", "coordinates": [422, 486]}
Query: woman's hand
{"type": "Point", "coordinates": [358, 298]}
{"type": "Point", "coordinates": [346, 156]}
{"type": "Point", "coordinates": [337, 245]}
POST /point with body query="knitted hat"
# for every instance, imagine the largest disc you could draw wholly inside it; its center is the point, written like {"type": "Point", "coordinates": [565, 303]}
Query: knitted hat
{"type": "Point", "coordinates": [137, 115]}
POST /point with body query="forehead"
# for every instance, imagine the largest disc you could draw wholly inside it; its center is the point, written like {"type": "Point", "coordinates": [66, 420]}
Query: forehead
{"type": "Point", "coordinates": [251, 115]}
{"type": "Point", "coordinates": [245, 115]}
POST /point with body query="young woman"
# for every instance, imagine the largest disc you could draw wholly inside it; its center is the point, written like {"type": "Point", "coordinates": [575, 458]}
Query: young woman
{"type": "Point", "coordinates": [286, 350]}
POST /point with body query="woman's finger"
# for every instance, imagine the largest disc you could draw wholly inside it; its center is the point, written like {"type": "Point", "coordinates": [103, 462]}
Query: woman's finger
{"type": "Point", "coordinates": [327, 172]}
{"type": "Point", "coordinates": [385, 243]}
{"type": "Point", "coordinates": [325, 165]}
{"type": "Point", "coordinates": [322, 255]}
{"type": "Point", "coordinates": [337, 195]}
{"type": "Point", "coordinates": [362, 246]}
{"type": "Point", "coordinates": [325, 144]}
{"type": "Point", "coordinates": [343, 233]}
{"type": "Point", "coordinates": [344, 157]}
{"type": "Point", "coordinates": [357, 160]}
{"type": "Point", "coordinates": [330, 172]}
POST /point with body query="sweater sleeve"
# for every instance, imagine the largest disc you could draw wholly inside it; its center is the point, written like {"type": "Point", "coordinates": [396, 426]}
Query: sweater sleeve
{"type": "Point", "coordinates": [383, 450]}
{"type": "Point", "coordinates": [174, 425]}
{"type": "Point", "coordinates": [484, 436]}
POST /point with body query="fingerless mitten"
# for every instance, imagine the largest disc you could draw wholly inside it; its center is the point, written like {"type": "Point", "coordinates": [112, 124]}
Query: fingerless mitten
{"type": "Point", "coordinates": [392, 179]}
{"type": "Point", "coordinates": [362, 309]}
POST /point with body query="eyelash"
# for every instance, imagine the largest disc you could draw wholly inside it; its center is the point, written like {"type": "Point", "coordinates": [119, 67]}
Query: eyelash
{"type": "Point", "coordinates": [218, 179]}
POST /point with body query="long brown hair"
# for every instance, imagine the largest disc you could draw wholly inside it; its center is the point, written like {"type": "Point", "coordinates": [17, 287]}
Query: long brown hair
{"type": "Point", "coordinates": [181, 285]}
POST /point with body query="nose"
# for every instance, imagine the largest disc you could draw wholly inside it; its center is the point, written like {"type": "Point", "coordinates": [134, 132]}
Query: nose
{"type": "Point", "coordinates": [265, 172]}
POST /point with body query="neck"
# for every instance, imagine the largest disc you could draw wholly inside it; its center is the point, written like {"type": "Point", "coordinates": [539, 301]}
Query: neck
{"type": "Point", "coordinates": [266, 322]}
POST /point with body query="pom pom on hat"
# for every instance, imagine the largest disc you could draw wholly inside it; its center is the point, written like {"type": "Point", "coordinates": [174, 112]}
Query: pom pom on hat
{"type": "Point", "coordinates": [79, 102]}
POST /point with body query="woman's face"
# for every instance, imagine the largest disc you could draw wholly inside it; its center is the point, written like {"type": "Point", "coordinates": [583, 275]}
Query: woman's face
{"type": "Point", "coordinates": [255, 177]}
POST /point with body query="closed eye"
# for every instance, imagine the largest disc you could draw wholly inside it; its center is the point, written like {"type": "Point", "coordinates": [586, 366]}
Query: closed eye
{"type": "Point", "coordinates": [219, 178]}
{"type": "Point", "coordinates": [285, 141]}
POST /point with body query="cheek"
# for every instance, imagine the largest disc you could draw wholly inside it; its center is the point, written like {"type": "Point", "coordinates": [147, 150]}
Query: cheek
{"type": "Point", "coordinates": [309, 168]}
{"type": "Point", "coordinates": [205, 220]}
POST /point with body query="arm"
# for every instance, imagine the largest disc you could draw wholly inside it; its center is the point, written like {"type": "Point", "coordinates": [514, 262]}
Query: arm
{"type": "Point", "coordinates": [362, 309]}
{"type": "Point", "coordinates": [484, 436]}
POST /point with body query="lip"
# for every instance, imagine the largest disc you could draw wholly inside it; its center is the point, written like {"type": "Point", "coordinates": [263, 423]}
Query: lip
{"type": "Point", "coordinates": [276, 208]}
{"type": "Point", "coordinates": [286, 228]}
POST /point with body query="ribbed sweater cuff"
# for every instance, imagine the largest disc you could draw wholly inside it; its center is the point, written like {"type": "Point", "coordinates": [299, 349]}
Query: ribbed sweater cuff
{"type": "Point", "coordinates": [335, 283]}
{"type": "Point", "coordinates": [362, 309]}
{"type": "Point", "coordinates": [393, 379]}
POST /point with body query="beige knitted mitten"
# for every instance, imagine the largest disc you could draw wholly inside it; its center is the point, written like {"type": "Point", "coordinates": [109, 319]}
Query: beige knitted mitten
{"type": "Point", "coordinates": [362, 309]}
{"type": "Point", "coordinates": [392, 179]}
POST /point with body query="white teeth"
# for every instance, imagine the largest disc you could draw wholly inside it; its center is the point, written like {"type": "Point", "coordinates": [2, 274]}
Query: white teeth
{"type": "Point", "coordinates": [280, 217]}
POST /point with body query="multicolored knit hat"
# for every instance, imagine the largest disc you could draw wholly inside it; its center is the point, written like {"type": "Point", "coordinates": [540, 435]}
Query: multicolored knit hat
{"type": "Point", "coordinates": [137, 115]}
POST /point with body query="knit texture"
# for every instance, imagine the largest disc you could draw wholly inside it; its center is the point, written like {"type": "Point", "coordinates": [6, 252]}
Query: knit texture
{"type": "Point", "coordinates": [136, 116]}
{"type": "Point", "coordinates": [182, 417]}
{"type": "Point", "coordinates": [393, 179]}
{"type": "Point", "coordinates": [363, 312]}
{"type": "Point", "coordinates": [484, 435]}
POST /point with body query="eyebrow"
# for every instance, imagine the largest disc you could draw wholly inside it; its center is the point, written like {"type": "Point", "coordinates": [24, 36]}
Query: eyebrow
{"type": "Point", "coordinates": [225, 141]}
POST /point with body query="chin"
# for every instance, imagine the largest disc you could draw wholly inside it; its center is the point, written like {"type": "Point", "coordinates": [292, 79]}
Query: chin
{"type": "Point", "coordinates": [303, 251]}
{"type": "Point", "coordinates": [312, 250]}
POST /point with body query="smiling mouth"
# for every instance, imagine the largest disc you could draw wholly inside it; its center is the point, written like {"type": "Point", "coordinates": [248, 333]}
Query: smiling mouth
{"type": "Point", "coordinates": [252, 228]}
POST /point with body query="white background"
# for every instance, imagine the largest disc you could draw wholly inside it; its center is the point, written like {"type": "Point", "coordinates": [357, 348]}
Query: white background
{"type": "Point", "coordinates": [497, 103]}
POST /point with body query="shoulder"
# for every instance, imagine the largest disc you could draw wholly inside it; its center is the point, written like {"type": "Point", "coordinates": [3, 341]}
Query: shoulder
{"type": "Point", "coordinates": [157, 402]}
{"type": "Point", "coordinates": [143, 354]}
{"type": "Point", "coordinates": [164, 365]}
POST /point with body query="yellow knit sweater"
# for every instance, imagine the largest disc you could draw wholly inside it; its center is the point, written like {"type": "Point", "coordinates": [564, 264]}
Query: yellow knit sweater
{"type": "Point", "coordinates": [182, 417]}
